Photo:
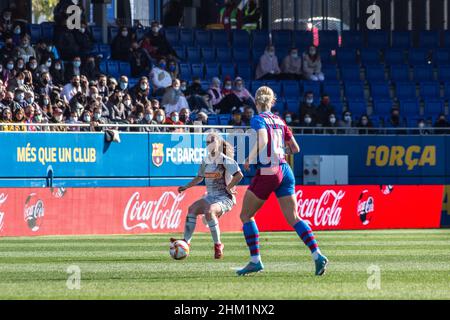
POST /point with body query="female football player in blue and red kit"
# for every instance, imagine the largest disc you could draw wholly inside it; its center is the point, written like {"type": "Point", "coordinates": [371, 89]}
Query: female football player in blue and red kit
{"type": "Point", "coordinates": [273, 175]}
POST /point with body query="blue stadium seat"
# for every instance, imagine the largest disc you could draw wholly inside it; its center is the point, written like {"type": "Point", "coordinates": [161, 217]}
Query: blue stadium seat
{"type": "Point", "coordinates": [224, 119]}
{"type": "Point", "coordinates": [326, 57]}
{"type": "Point", "coordinates": [423, 73]}
{"type": "Point", "coordinates": [441, 57]}
{"type": "Point", "coordinates": [313, 86]}
{"type": "Point", "coordinates": [444, 73]}
{"type": "Point", "coordinates": [113, 32]}
{"type": "Point", "coordinates": [354, 91]}
{"type": "Point", "coordinates": [125, 68]}
{"type": "Point", "coordinates": [276, 86]}
{"type": "Point", "coordinates": [379, 90]}
{"type": "Point", "coordinates": [186, 37]}
{"type": "Point", "coordinates": [213, 120]}
{"type": "Point", "coordinates": [172, 35]}
{"type": "Point", "coordinates": [400, 73]}
{"type": "Point", "coordinates": [357, 107]}
{"type": "Point", "coordinates": [429, 39]}
{"type": "Point", "coordinates": [447, 90]}
{"type": "Point", "coordinates": [302, 39]}
{"type": "Point", "coordinates": [430, 90]}
{"type": "Point", "coordinates": [328, 39]}
{"type": "Point", "coordinates": [330, 72]}
{"type": "Point", "coordinates": [197, 70]}
{"type": "Point", "coordinates": [433, 107]}
{"type": "Point", "coordinates": [202, 38]}
{"type": "Point", "coordinates": [212, 70]}
{"type": "Point", "coordinates": [181, 52]}
{"type": "Point", "coordinates": [401, 39]}
{"type": "Point", "coordinates": [105, 50]}
{"type": "Point", "coordinates": [47, 29]}
{"type": "Point", "coordinates": [241, 39]}
{"type": "Point", "coordinates": [418, 56]}
{"type": "Point", "coordinates": [228, 69]}
{"type": "Point", "coordinates": [375, 73]}
{"type": "Point", "coordinates": [35, 32]}
{"type": "Point", "coordinates": [446, 38]}
{"type": "Point", "coordinates": [223, 55]}
{"type": "Point", "coordinates": [369, 56]}
{"type": "Point", "coordinates": [333, 89]}
{"type": "Point", "coordinates": [338, 107]}
{"type": "Point", "coordinates": [132, 82]}
{"type": "Point", "coordinates": [186, 71]}
{"type": "Point", "coordinates": [208, 54]}
{"type": "Point", "coordinates": [96, 32]}
{"type": "Point", "coordinates": [382, 107]}
{"type": "Point", "coordinates": [409, 107]}
{"type": "Point", "coordinates": [279, 106]}
{"type": "Point", "coordinates": [346, 56]}
{"type": "Point", "coordinates": [291, 90]}
{"type": "Point", "coordinates": [352, 39]}
{"type": "Point", "coordinates": [405, 90]}
{"type": "Point", "coordinates": [256, 84]}
{"type": "Point", "coordinates": [241, 55]}
{"type": "Point", "coordinates": [282, 38]}
{"type": "Point", "coordinates": [194, 55]}
{"type": "Point", "coordinates": [377, 39]}
{"type": "Point", "coordinates": [292, 106]}
{"type": "Point", "coordinates": [260, 38]}
{"type": "Point", "coordinates": [394, 56]}
{"type": "Point", "coordinates": [219, 38]}
{"type": "Point", "coordinates": [244, 71]}
{"type": "Point", "coordinates": [113, 67]}
{"type": "Point", "coordinates": [103, 67]}
{"type": "Point", "coordinates": [351, 73]}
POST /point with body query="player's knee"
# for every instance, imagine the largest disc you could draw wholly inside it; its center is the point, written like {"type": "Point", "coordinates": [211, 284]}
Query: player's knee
{"type": "Point", "coordinates": [244, 217]}
{"type": "Point", "coordinates": [192, 210]}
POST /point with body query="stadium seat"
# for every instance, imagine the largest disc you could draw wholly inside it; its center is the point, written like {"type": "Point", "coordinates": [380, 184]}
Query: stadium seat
{"type": "Point", "coordinates": [241, 55]}
{"type": "Point", "coordinates": [223, 55]}
{"type": "Point", "coordinates": [369, 56]}
{"type": "Point", "coordinates": [173, 35]}
{"type": "Point", "coordinates": [96, 32]}
{"type": "Point", "coordinates": [328, 39]}
{"type": "Point", "coordinates": [47, 29]}
{"type": "Point", "coordinates": [291, 90]}
{"type": "Point", "coordinates": [194, 54]}
{"type": "Point", "coordinates": [326, 57]}
{"type": "Point", "coordinates": [409, 107]}
{"type": "Point", "coordinates": [113, 32]}
{"type": "Point", "coordinates": [441, 57]}
{"type": "Point", "coordinates": [351, 73]}
{"type": "Point", "coordinates": [105, 50]}
{"type": "Point", "coordinates": [35, 32]}
{"type": "Point", "coordinates": [181, 52]}
{"type": "Point", "coordinates": [401, 39]}
{"type": "Point", "coordinates": [418, 56]}
{"type": "Point", "coordinates": [423, 73]}
{"type": "Point", "coordinates": [124, 68]}
{"type": "Point", "coordinates": [279, 107]}
{"type": "Point", "coordinates": [405, 90]}
{"type": "Point", "coordinates": [446, 38]}
{"type": "Point", "coordinates": [346, 56]}
{"type": "Point", "coordinates": [219, 38]}
{"type": "Point", "coordinates": [447, 90]}
{"type": "Point", "coordinates": [429, 39]}
{"type": "Point", "coordinates": [338, 107]}
{"type": "Point", "coordinates": [260, 39]}
{"type": "Point", "coordinates": [394, 56]}
{"type": "Point", "coordinates": [208, 54]}
{"type": "Point", "coordinates": [377, 39]}
{"type": "Point", "coordinates": [430, 90]}
{"type": "Point", "coordinates": [433, 107]}
{"type": "Point", "coordinates": [186, 37]}
{"type": "Point", "coordinates": [375, 73]}
{"type": "Point", "coordinates": [352, 39]}
{"type": "Point", "coordinates": [302, 39]}
{"type": "Point", "coordinates": [400, 73]}
{"type": "Point", "coordinates": [241, 39]}
{"type": "Point", "coordinates": [380, 90]}
{"type": "Point", "coordinates": [228, 70]}
{"type": "Point", "coordinates": [212, 70]}
{"type": "Point", "coordinates": [185, 70]}
{"type": "Point", "coordinates": [330, 72]}
{"type": "Point", "coordinates": [382, 107]}
{"type": "Point", "coordinates": [103, 67]}
{"type": "Point", "coordinates": [333, 89]}
{"type": "Point", "coordinates": [244, 71]}
{"type": "Point", "coordinates": [444, 73]}
{"type": "Point", "coordinates": [197, 70]}
{"type": "Point", "coordinates": [213, 120]}
{"type": "Point", "coordinates": [224, 119]}
{"type": "Point", "coordinates": [202, 38]}
{"type": "Point", "coordinates": [293, 106]}
{"type": "Point", "coordinates": [113, 67]}
{"type": "Point", "coordinates": [255, 85]}
{"type": "Point", "coordinates": [357, 108]}
{"type": "Point", "coordinates": [313, 86]}
{"type": "Point", "coordinates": [354, 91]}
{"type": "Point", "coordinates": [282, 38]}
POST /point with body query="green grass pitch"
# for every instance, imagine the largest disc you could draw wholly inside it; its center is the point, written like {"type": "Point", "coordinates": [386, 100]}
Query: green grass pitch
{"type": "Point", "coordinates": [413, 264]}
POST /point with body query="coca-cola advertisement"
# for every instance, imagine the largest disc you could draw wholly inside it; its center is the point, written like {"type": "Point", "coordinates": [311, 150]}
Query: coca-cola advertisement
{"type": "Point", "coordinates": [45, 211]}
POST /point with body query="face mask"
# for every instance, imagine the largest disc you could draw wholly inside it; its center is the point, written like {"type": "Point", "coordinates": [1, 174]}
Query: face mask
{"type": "Point", "coordinates": [33, 66]}
{"type": "Point", "coordinates": [312, 52]}
{"type": "Point", "coordinates": [288, 119]}
{"type": "Point", "coordinates": [183, 88]}
{"type": "Point", "coordinates": [10, 66]}
{"type": "Point", "coordinates": [347, 118]}
{"type": "Point", "coordinates": [20, 66]}
{"type": "Point", "coordinates": [155, 29]}
{"type": "Point", "coordinates": [49, 48]}
{"type": "Point", "coordinates": [364, 122]}
{"type": "Point", "coordinates": [148, 117]}
{"type": "Point", "coordinates": [239, 88]}
{"type": "Point", "coordinates": [82, 30]}
{"type": "Point", "coordinates": [175, 118]}
{"type": "Point", "coordinates": [143, 87]}
{"type": "Point", "coordinates": [58, 67]}
{"type": "Point", "coordinates": [309, 101]}
{"type": "Point", "coordinates": [123, 85]}
{"type": "Point", "coordinates": [124, 33]}
{"type": "Point", "coordinates": [421, 125]}
{"type": "Point", "coordinates": [172, 68]}
{"type": "Point", "coordinates": [159, 119]}
{"type": "Point", "coordinates": [332, 120]}
{"type": "Point", "coordinates": [20, 82]}
{"type": "Point", "coordinates": [94, 96]}
{"type": "Point", "coordinates": [74, 119]}
{"type": "Point", "coordinates": [20, 97]}
{"type": "Point", "coordinates": [75, 2]}
{"type": "Point", "coordinates": [162, 65]}
{"type": "Point", "coordinates": [97, 116]}
{"type": "Point", "coordinates": [294, 55]}
{"type": "Point", "coordinates": [45, 101]}
{"type": "Point", "coordinates": [38, 118]}
{"type": "Point", "coordinates": [59, 117]}
{"type": "Point", "coordinates": [48, 64]}
{"type": "Point", "coordinates": [271, 53]}
{"type": "Point", "coordinates": [87, 119]}
{"type": "Point", "coordinates": [77, 63]}
{"type": "Point", "coordinates": [307, 120]}
{"type": "Point", "coordinates": [30, 100]}
{"type": "Point", "coordinates": [17, 31]}
{"type": "Point", "coordinates": [127, 103]}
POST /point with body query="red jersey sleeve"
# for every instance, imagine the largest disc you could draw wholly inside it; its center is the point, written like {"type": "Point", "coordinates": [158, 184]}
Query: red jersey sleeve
{"type": "Point", "coordinates": [287, 134]}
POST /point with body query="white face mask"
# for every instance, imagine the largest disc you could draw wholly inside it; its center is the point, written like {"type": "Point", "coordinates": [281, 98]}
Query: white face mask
{"type": "Point", "coordinates": [127, 103]}
{"type": "Point", "coordinates": [59, 117]}
{"type": "Point", "coordinates": [87, 118]}
{"type": "Point", "coordinates": [308, 120]}
{"type": "Point", "coordinates": [332, 120]}
{"type": "Point", "coordinates": [58, 67]}
{"type": "Point", "coordinates": [155, 29]}
{"type": "Point", "coordinates": [124, 33]}
{"type": "Point", "coordinates": [348, 118]}
{"type": "Point", "coordinates": [159, 119]}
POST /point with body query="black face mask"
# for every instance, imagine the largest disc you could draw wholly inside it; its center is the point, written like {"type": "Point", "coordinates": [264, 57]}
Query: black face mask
{"type": "Point", "coordinates": [182, 117]}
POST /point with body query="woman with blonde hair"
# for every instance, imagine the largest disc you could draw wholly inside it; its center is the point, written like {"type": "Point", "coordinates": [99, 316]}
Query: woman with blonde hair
{"type": "Point", "coordinates": [221, 174]}
{"type": "Point", "coordinates": [273, 140]}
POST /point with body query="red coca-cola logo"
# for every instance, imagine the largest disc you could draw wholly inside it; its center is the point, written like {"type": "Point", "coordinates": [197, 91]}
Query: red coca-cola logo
{"type": "Point", "coordinates": [3, 198]}
{"type": "Point", "coordinates": [34, 212]}
{"type": "Point", "coordinates": [322, 211]}
{"type": "Point", "coordinates": [160, 214]}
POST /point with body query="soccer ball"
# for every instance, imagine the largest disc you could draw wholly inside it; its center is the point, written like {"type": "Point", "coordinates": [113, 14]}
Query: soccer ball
{"type": "Point", "coordinates": [179, 250]}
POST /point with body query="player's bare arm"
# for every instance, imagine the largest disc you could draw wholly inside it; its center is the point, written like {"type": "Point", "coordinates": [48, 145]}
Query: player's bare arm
{"type": "Point", "coordinates": [197, 180]}
{"type": "Point", "coordinates": [292, 146]}
{"type": "Point", "coordinates": [237, 177]}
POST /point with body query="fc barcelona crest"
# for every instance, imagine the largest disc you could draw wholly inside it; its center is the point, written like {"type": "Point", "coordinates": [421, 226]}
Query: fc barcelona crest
{"type": "Point", "coordinates": [158, 154]}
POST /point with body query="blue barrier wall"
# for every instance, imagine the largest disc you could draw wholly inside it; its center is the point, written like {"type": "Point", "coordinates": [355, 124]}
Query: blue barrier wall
{"type": "Point", "coordinates": [84, 159]}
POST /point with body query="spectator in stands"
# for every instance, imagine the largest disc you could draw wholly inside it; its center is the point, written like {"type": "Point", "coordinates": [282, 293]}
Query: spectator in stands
{"type": "Point", "coordinates": [215, 92]}
{"type": "Point", "coordinates": [40, 119]}
{"type": "Point", "coordinates": [292, 66]}
{"type": "Point", "coordinates": [91, 68]}
{"type": "Point", "coordinates": [71, 89]}
{"type": "Point", "coordinates": [102, 86]}
{"type": "Point", "coordinates": [9, 51]}
{"type": "Point", "coordinates": [19, 117]}
{"type": "Point", "coordinates": [25, 50]}
{"type": "Point", "coordinates": [307, 121]}
{"type": "Point", "coordinates": [268, 68]}
{"type": "Point", "coordinates": [202, 117]}
{"type": "Point", "coordinates": [32, 66]}
{"type": "Point", "coordinates": [84, 39]}
{"type": "Point", "coordinates": [45, 84]}
{"type": "Point", "coordinates": [147, 46]}
{"type": "Point", "coordinates": [160, 118]}
{"type": "Point", "coordinates": [324, 110]}
{"type": "Point", "coordinates": [332, 124]}
{"type": "Point", "coordinates": [121, 44]}
{"type": "Point", "coordinates": [174, 119]}
{"type": "Point", "coordinates": [307, 106]}
{"type": "Point", "coordinates": [252, 16]}
{"type": "Point", "coordinates": [227, 86]}
{"type": "Point", "coordinates": [58, 118]}
{"type": "Point", "coordinates": [17, 82]}
{"type": "Point", "coordinates": [112, 84]}
{"type": "Point", "coordinates": [231, 15]}
{"type": "Point", "coordinates": [6, 22]}
{"type": "Point", "coordinates": [20, 64]}
{"type": "Point", "coordinates": [249, 113]}
{"type": "Point", "coordinates": [197, 97]}
{"type": "Point", "coordinates": [290, 119]}
{"type": "Point", "coordinates": [396, 121]}
{"type": "Point", "coordinates": [19, 98]}
{"type": "Point", "coordinates": [73, 68]}
{"type": "Point", "coordinates": [123, 84]}
{"type": "Point", "coordinates": [148, 119]}
{"type": "Point", "coordinates": [159, 42]}
{"type": "Point", "coordinates": [9, 72]}
{"type": "Point", "coordinates": [312, 65]}
{"type": "Point", "coordinates": [160, 78]}
{"type": "Point", "coordinates": [73, 119]}
{"type": "Point", "coordinates": [7, 118]}
{"type": "Point", "coordinates": [57, 73]}
{"type": "Point", "coordinates": [347, 124]}
{"type": "Point", "coordinates": [141, 91]}
{"type": "Point", "coordinates": [183, 86]}
{"type": "Point", "coordinates": [172, 68]}
{"type": "Point", "coordinates": [242, 93]}
{"type": "Point", "coordinates": [173, 99]}
{"type": "Point", "coordinates": [86, 118]}
{"type": "Point", "coordinates": [155, 103]}
{"type": "Point", "coordinates": [236, 118]}
{"type": "Point", "coordinates": [140, 61]}
{"type": "Point", "coordinates": [423, 128]}
{"type": "Point", "coordinates": [99, 119]}
{"type": "Point", "coordinates": [117, 110]}
{"type": "Point", "coordinates": [441, 125]}
{"type": "Point", "coordinates": [365, 125]}
{"type": "Point", "coordinates": [8, 100]}
{"type": "Point", "coordinates": [185, 116]}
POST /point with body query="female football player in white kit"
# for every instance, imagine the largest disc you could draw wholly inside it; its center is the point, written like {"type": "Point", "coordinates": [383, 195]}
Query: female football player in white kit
{"type": "Point", "coordinates": [221, 174]}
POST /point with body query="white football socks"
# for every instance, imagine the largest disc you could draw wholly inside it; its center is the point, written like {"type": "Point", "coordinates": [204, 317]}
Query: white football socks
{"type": "Point", "coordinates": [215, 230]}
{"type": "Point", "coordinates": [316, 254]}
{"type": "Point", "coordinates": [189, 228]}
{"type": "Point", "coordinates": [255, 259]}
